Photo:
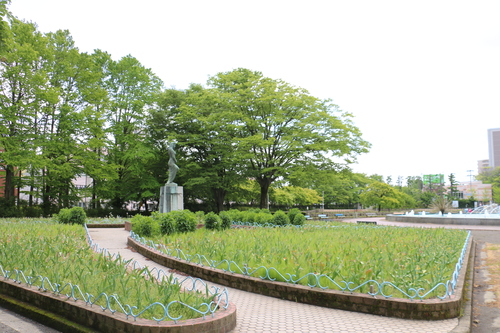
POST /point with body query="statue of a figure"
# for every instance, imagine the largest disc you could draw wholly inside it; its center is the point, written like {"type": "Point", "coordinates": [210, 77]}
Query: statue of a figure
{"type": "Point", "coordinates": [172, 162]}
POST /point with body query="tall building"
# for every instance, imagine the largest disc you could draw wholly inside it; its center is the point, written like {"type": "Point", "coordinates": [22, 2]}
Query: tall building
{"type": "Point", "coordinates": [483, 165]}
{"type": "Point", "coordinates": [494, 147]}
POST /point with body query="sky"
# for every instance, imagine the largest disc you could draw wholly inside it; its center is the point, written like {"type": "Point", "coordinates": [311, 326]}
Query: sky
{"type": "Point", "coordinates": [421, 78]}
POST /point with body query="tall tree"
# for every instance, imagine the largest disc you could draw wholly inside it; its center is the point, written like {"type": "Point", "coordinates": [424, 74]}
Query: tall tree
{"type": "Point", "coordinates": [22, 87]}
{"type": "Point", "coordinates": [282, 126]}
{"type": "Point", "coordinates": [132, 91]}
{"type": "Point", "coordinates": [205, 129]}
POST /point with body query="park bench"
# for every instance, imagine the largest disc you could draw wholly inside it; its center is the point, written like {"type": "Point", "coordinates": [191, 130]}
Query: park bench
{"type": "Point", "coordinates": [367, 222]}
{"type": "Point", "coordinates": [322, 216]}
{"type": "Point", "coordinates": [339, 215]}
{"type": "Point", "coordinates": [308, 217]}
{"type": "Point", "coordinates": [371, 214]}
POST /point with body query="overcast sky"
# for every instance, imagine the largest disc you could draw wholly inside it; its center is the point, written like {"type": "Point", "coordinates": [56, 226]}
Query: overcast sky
{"type": "Point", "coordinates": [422, 78]}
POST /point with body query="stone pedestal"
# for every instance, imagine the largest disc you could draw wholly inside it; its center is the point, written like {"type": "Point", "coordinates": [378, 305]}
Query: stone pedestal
{"type": "Point", "coordinates": [171, 198]}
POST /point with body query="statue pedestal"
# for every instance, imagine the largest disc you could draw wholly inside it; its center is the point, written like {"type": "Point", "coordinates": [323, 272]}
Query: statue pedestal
{"type": "Point", "coordinates": [171, 198]}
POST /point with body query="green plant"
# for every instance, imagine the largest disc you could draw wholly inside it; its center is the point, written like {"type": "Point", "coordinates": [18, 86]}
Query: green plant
{"type": "Point", "coordinates": [292, 212]}
{"type": "Point", "coordinates": [166, 222]}
{"type": "Point", "coordinates": [226, 221]}
{"type": "Point", "coordinates": [441, 203]}
{"type": "Point", "coordinates": [298, 219]}
{"type": "Point", "coordinates": [213, 221]}
{"type": "Point", "coordinates": [263, 217]}
{"type": "Point", "coordinates": [145, 226]}
{"type": "Point", "coordinates": [280, 218]}
{"type": "Point", "coordinates": [185, 220]}
{"type": "Point", "coordinates": [75, 215]}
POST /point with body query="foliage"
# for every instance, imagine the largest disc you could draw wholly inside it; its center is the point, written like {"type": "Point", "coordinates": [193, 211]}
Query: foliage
{"type": "Point", "coordinates": [225, 220]}
{"type": "Point", "coordinates": [145, 226]}
{"type": "Point", "coordinates": [166, 222]}
{"type": "Point", "coordinates": [298, 219]}
{"type": "Point", "coordinates": [60, 253]}
{"type": "Point", "coordinates": [292, 213]}
{"type": "Point", "coordinates": [280, 218]}
{"type": "Point", "coordinates": [281, 126]}
{"type": "Point", "coordinates": [292, 195]}
{"type": "Point", "coordinates": [213, 221]}
{"type": "Point", "coordinates": [492, 176]}
{"type": "Point", "coordinates": [383, 195]}
{"type": "Point", "coordinates": [185, 220]}
{"type": "Point", "coordinates": [441, 203]}
{"type": "Point", "coordinates": [75, 215]}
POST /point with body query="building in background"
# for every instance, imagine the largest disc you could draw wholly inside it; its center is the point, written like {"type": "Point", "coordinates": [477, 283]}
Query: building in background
{"type": "Point", "coordinates": [477, 190]}
{"type": "Point", "coordinates": [483, 165]}
{"type": "Point", "coordinates": [494, 147]}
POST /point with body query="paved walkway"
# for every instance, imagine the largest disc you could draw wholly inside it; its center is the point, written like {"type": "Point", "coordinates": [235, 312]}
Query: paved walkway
{"type": "Point", "coordinates": [257, 313]}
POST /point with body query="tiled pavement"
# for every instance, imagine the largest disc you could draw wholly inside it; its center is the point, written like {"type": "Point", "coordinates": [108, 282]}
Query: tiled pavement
{"type": "Point", "coordinates": [257, 313]}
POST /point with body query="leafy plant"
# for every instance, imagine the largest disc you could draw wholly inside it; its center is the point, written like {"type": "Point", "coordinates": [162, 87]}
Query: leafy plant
{"type": "Point", "coordinates": [145, 226]}
{"type": "Point", "coordinates": [166, 222]}
{"type": "Point", "coordinates": [213, 221]}
{"type": "Point", "coordinates": [185, 220]}
{"type": "Point", "coordinates": [280, 218]}
{"type": "Point", "coordinates": [299, 219]}
{"type": "Point", "coordinates": [75, 215]}
{"type": "Point", "coordinates": [225, 220]}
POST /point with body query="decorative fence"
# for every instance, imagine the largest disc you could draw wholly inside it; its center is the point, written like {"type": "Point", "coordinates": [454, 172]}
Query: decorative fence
{"type": "Point", "coordinates": [313, 279]}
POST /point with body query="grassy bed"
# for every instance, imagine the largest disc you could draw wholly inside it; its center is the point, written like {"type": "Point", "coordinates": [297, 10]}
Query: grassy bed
{"type": "Point", "coordinates": [60, 253]}
{"type": "Point", "coordinates": [406, 257]}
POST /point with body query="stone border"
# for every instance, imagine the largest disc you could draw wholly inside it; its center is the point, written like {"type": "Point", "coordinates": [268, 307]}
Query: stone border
{"type": "Point", "coordinates": [434, 309]}
{"type": "Point", "coordinates": [77, 316]}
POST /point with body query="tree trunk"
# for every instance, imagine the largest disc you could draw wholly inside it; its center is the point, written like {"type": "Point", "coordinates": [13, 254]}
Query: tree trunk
{"type": "Point", "coordinates": [219, 197]}
{"type": "Point", "coordinates": [9, 193]}
{"type": "Point", "coordinates": [264, 183]}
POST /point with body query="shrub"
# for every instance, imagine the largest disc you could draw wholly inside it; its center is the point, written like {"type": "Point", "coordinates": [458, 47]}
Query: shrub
{"type": "Point", "coordinates": [298, 219]}
{"type": "Point", "coordinates": [280, 218]}
{"type": "Point", "coordinates": [200, 216]}
{"type": "Point", "coordinates": [226, 220]}
{"type": "Point", "coordinates": [263, 217]}
{"type": "Point", "coordinates": [249, 216]}
{"type": "Point", "coordinates": [166, 222]}
{"type": "Point", "coordinates": [235, 215]}
{"type": "Point", "coordinates": [185, 220]}
{"type": "Point", "coordinates": [75, 215]}
{"type": "Point", "coordinates": [213, 221]}
{"type": "Point", "coordinates": [145, 226]}
{"type": "Point", "coordinates": [292, 212]}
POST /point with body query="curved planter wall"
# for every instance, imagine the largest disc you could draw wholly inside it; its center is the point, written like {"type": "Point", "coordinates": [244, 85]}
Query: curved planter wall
{"type": "Point", "coordinates": [59, 312]}
{"type": "Point", "coordinates": [434, 309]}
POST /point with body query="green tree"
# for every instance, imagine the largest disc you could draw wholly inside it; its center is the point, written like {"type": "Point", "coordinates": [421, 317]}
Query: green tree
{"type": "Point", "coordinates": [282, 126]}
{"type": "Point", "coordinates": [22, 90]}
{"type": "Point", "coordinates": [492, 176]}
{"type": "Point", "coordinates": [205, 129]}
{"type": "Point", "coordinates": [453, 190]}
{"type": "Point", "coordinates": [132, 91]}
{"type": "Point", "coordinates": [383, 195]}
{"type": "Point", "coordinates": [290, 196]}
